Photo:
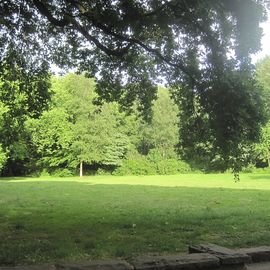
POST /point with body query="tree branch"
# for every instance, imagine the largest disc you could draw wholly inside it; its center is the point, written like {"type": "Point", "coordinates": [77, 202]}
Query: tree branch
{"type": "Point", "coordinates": [85, 33]}
{"type": "Point", "coordinates": [69, 20]}
{"type": "Point", "coordinates": [42, 8]}
{"type": "Point", "coordinates": [132, 41]}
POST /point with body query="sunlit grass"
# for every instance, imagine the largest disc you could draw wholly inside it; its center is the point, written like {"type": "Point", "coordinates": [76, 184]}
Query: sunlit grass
{"type": "Point", "coordinates": [247, 181]}
{"type": "Point", "coordinates": [46, 219]}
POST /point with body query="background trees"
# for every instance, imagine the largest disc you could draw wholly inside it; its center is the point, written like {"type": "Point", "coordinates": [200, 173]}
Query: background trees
{"type": "Point", "coordinates": [161, 133]}
{"type": "Point", "coordinates": [70, 129]}
{"type": "Point", "coordinates": [263, 77]}
{"type": "Point", "coordinates": [74, 131]}
{"type": "Point", "coordinates": [261, 151]}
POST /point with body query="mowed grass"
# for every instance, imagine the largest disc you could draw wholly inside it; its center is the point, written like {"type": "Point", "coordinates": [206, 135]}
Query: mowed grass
{"type": "Point", "coordinates": [50, 219]}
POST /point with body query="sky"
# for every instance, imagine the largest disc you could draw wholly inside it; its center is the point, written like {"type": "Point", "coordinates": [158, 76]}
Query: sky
{"type": "Point", "coordinates": [265, 41]}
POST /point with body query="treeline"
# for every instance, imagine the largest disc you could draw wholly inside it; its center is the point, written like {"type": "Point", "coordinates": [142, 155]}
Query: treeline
{"type": "Point", "coordinates": [73, 133]}
{"type": "Point", "coordinates": [69, 134]}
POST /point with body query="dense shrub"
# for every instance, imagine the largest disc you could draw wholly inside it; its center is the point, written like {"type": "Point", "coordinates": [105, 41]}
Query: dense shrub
{"type": "Point", "coordinates": [144, 165]}
{"type": "Point", "coordinates": [172, 166]}
{"type": "Point", "coordinates": [44, 173]}
{"type": "Point", "coordinates": [140, 166]}
{"type": "Point", "coordinates": [62, 173]}
{"type": "Point", "coordinates": [101, 171]}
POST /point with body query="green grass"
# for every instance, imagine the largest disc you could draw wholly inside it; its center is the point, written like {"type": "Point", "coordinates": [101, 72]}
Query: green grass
{"type": "Point", "coordinates": [51, 219]}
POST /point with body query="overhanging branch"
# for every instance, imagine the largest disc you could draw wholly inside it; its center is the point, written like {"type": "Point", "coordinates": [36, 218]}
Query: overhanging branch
{"type": "Point", "coordinates": [69, 20]}
{"type": "Point", "coordinates": [42, 8]}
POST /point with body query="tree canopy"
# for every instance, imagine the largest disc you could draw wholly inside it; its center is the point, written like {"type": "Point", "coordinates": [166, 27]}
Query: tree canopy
{"type": "Point", "coordinates": [200, 48]}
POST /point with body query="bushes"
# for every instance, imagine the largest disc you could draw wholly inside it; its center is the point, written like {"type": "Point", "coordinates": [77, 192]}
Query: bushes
{"type": "Point", "coordinates": [172, 166]}
{"type": "Point", "coordinates": [144, 166]}
{"type": "Point", "coordinates": [140, 166]}
{"type": "Point", "coordinates": [60, 172]}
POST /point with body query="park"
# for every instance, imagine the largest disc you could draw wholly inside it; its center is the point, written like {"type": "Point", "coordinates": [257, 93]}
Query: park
{"type": "Point", "coordinates": [47, 219]}
{"type": "Point", "coordinates": [134, 135]}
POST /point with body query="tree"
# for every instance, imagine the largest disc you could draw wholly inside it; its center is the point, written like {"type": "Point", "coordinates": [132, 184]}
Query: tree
{"type": "Point", "coordinates": [262, 149]}
{"type": "Point", "coordinates": [161, 133]}
{"type": "Point", "coordinates": [24, 94]}
{"type": "Point", "coordinates": [98, 133]}
{"type": "Point", "coordinates": [52, 136]}
{"type": "Point", "coordinates": [99, 137]}
{"type": "Point", "coordinates": [201, 48]}
{"type": "Point", "coordinates": [74, 131]}
{"type": "Point", "coordinates": [263, 77]}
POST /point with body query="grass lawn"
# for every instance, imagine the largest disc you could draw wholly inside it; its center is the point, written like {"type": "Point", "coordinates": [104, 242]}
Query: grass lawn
{"type": "Point", "coordinates": [49, 219]}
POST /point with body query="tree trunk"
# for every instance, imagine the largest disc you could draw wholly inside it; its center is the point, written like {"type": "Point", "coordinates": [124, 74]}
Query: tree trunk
{"type": "Point", "coordinates": [81, 169]}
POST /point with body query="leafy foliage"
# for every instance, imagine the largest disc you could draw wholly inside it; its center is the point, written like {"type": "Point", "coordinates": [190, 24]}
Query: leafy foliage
{"type": "Point", "coordinates": [161, 133]}
{"type": "Point", "coordinates": [261, 149]}
{"type": "Point", "coordinates": [74, 130]}
{"type": "Point", "coordinates": [23, 94]}
{"type": "Point", "coordinates": [3, 158]}
{"type": "Point", "coordinates": [172, 166]}
{"type": "Point", "coordinates": [139, 165]}
{"type": "Point", "coordinates": [52, 136]}
{"type": "Point", "coordinates": [208, 131]}
{"type": "Point", "coordinates": [263, 78]}
{"type": "Point", "coordinates": [201, 48]}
